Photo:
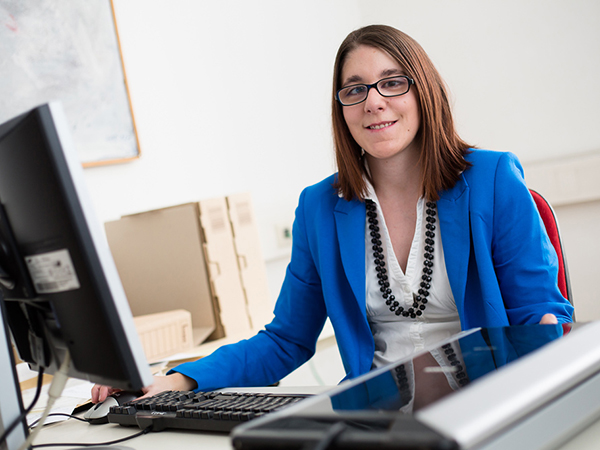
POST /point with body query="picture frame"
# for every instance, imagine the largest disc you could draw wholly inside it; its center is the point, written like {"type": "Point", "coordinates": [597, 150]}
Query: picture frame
{"type": "Point", "coordinates": [60, 50]}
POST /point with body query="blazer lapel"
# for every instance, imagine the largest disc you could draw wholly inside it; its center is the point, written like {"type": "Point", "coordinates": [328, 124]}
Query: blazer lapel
{"type": "Point", "coordinates": [350, 222]}
{"type": "Point", "coordinates": [453, 209]}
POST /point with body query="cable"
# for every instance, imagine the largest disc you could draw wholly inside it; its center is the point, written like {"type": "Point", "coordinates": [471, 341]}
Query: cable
{"type": "Point", "coordinates": [331, 436]}
{"type": "Point", "coordinates": [144, 431]}
{"type": "Point", "coordinates": [56, 387]}
{"type": "Point", "coordinates": [22, 416]}
{"type": "Point", "coordinates": [315, 372]}
{"type": "Point", "coordinates": [70, 416]}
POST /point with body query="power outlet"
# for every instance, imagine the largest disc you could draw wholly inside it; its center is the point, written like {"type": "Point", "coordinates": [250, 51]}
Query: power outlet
{"type": "Point", "coordinates": [284, 236]}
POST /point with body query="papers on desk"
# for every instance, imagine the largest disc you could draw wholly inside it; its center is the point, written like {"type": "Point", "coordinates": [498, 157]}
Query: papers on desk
{"type": "Point", "coordinates": [76, 392]}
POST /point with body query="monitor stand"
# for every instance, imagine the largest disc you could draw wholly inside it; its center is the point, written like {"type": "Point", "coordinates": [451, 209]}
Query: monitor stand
{"type": "Point", "coordinates": [11, 404]}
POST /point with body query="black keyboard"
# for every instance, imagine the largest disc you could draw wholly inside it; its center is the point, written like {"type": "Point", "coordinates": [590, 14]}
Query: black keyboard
{"type": "Point", "coordinates": [205, 411]}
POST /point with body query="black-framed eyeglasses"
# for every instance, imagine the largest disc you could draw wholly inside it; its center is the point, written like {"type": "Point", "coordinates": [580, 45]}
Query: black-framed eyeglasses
{"type": "Point", "coordinates": [387, 87]}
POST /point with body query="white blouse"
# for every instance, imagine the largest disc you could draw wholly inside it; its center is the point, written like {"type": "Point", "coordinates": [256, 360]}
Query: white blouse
{"type": "Point", "coordinates": [399, 336]}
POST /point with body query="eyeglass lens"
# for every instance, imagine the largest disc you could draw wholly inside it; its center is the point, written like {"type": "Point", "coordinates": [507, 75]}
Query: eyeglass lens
{"type": "Point", "coordinates": [387, 87]}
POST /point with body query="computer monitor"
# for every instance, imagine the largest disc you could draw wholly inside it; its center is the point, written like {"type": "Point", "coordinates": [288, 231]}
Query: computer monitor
{"type": "Point", "coordinates": [60, 287]}
{"type": "Point", "coordinates": [521, 386]}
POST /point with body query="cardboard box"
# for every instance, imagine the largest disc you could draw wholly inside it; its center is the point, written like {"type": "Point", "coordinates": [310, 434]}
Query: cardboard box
{"type": "Point", "coordinates": [221, 259]}
{"type": "Point", "coordinates": [165, 334]}
{"type": "Point", "coordinates": [182, 257]}
{"type": "Point", "coordinates": [160, 261]}
{"type": "Point", "coordinates": [250, 259]}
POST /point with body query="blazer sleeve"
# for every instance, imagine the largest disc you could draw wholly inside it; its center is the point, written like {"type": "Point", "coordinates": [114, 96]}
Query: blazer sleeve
{"type": "Point", "coordinates": [524, 259]}
{"type": "Point", "coordinates": [286, 343]}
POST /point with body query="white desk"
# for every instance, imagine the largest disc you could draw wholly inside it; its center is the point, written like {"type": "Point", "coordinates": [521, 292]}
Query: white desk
{"type": "Point", "coordinates": [74, 431]}
{"type": "Point", "coordinates": [587, 439]}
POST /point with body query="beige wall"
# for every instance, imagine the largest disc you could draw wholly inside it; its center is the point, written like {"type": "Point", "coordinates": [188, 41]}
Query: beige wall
{"type": "Point", "coordinates": [579, 228]}
{"type": "Point", "coordinates": [572, 186]}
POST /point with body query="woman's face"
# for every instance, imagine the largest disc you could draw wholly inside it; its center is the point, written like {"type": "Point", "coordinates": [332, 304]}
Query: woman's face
{"type": "Point", "coordinates": [384, 127]}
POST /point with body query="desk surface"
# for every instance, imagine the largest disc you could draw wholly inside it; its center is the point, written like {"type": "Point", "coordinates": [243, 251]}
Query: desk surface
{"type": "Point", "coordinates": [73, 431]}
{"type": "Point", "coordinates": [78, 432]}
{"type": "Point", "coordinates": [587, 439]}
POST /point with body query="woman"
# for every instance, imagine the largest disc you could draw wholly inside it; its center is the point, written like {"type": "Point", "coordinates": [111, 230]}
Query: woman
{"type": "Point", "coordinates": [417, 237]}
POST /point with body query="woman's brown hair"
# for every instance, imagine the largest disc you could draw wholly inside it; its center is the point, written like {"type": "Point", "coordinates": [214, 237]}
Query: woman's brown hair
{"type": "Point", "coordinates": [442, 150]}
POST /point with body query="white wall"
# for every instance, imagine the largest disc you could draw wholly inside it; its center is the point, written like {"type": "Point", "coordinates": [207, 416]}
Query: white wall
{"type": "Point", "coordinates": [228, 97]}
{"type": "Point", "coordinates": [210, 83]}
{"type": "Point", "coordinates": [523, 73]}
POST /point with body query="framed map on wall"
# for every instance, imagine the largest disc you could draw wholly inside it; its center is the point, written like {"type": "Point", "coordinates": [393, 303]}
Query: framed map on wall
{"type": "Point", "coordinates": [68, 51]}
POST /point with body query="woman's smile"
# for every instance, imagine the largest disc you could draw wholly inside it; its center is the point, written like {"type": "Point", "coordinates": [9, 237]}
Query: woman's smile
{"type": "Point", "coordinates": [380, 126]}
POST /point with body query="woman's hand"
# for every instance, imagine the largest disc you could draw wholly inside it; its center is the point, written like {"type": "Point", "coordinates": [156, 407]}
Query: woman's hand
{"type": "Point", "coordinates": [99, 393]}
{"type": "Point", "coordinates": [172, 382]}
{"type": "Point", "coordinates": [549, 319]}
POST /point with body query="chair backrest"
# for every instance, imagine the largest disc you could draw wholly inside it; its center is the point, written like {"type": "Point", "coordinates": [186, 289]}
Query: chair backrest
{"type": "Point", "coordinates": [551, 223]}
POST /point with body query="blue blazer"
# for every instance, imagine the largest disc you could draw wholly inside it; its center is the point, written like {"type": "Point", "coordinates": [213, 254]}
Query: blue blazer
{"type": "Point", "coordinates": [501, 266]}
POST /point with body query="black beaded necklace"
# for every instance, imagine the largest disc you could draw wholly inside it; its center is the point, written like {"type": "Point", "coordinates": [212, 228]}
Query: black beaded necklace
{"type": "Point", "coordinates": [461, 377]}
{"type": "Point", "coordinates": [420, 299]}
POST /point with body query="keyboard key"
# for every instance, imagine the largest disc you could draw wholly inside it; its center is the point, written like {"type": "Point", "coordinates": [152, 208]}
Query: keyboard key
{"type": "Point", "coordinates": [206, 411]}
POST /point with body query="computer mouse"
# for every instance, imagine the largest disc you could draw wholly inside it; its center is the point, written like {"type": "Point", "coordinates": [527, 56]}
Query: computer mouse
{"type": "Point", "coordinates": [98, 413]}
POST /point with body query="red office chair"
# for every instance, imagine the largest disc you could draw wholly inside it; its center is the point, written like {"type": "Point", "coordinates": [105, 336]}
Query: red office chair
{"type": "Point", "coordinates": [551, 224]}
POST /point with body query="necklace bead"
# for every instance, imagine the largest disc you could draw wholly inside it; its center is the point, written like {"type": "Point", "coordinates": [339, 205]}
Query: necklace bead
{"type": "Point", "coordinates": [420, 300]}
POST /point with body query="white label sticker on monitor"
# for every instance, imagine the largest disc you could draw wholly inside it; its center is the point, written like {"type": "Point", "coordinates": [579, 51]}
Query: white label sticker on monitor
{"type": "Point", "coordinates": [52, 272]}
